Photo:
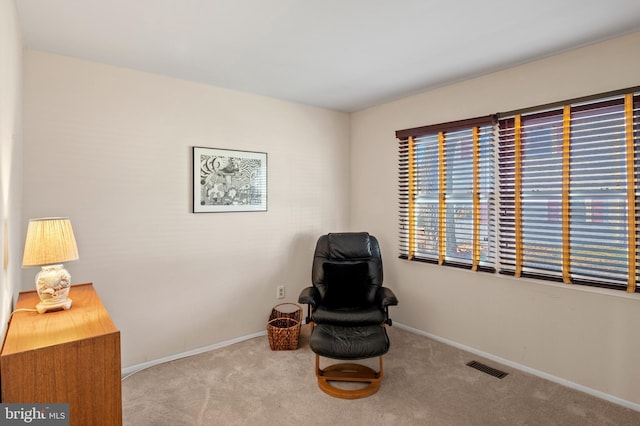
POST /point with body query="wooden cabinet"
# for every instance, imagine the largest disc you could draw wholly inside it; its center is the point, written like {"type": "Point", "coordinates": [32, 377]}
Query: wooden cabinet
{"type": "Point", "coordinates": [65, 357]}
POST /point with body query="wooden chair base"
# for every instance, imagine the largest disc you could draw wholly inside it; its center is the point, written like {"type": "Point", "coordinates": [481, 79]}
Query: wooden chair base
{"type": "Point", "coordinates": [348, 372]}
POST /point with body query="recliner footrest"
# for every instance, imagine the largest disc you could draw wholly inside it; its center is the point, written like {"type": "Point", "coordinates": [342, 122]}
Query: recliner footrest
{"type": "Point", "coordinates": [351, 343]}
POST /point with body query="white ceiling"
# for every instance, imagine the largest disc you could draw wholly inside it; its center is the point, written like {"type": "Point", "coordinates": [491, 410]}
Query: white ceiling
{"type": "Point", "coordinates": [339, 54]}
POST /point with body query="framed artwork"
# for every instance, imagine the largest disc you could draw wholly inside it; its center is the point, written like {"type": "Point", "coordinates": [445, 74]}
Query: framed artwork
{"type": "Point", "coordinates": [229, 181]}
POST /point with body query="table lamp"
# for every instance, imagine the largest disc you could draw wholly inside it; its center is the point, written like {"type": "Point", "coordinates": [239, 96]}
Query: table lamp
{"type": "Point", "coordinates": [49, 242]}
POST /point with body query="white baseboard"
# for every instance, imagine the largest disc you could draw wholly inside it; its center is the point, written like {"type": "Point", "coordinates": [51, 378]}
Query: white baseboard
{"type": "Point", "coordinates": [533, 371]}
{"type": "Point", "coordinates": [128, 371]}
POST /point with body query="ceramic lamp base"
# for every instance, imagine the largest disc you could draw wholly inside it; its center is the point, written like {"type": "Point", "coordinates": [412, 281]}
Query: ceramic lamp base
{"type": "Point", "coordinates": [52, 284]}
{"type": "Point", "coordinates": [46, 307]}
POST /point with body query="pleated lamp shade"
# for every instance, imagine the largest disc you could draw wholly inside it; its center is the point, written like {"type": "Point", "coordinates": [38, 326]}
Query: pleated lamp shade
{"type": "Point", "coordinates": [49, 241]}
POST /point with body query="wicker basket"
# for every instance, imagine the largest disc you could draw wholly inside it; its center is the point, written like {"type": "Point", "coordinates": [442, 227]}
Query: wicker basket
{"type": "Point", "coordinates": [283, 327]}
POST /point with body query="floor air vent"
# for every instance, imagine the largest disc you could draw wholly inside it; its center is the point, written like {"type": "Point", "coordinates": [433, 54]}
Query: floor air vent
{"type": "Point", "coordinates": [486, 369]}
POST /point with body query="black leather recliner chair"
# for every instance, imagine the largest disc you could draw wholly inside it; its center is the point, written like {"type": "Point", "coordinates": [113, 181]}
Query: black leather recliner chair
{"type": "Point", "coordinates": [348, 308]}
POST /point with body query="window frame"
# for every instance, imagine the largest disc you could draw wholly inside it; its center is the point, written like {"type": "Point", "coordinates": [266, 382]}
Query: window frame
{"type": "Point", "coordinates": [631, 98]}
{"type": "Point", "coordinates": [443, 199]}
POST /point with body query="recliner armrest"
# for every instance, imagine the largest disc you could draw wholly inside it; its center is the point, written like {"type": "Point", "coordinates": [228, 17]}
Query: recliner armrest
{"type": "Point", "coordinates": [309, 296]}
{"type": "Point", "coordinates": [385, 297]}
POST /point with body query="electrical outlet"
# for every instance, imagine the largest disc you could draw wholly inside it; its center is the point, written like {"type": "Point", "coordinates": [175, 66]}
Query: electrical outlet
{"type": "Point", "coordinates": [280, 292]}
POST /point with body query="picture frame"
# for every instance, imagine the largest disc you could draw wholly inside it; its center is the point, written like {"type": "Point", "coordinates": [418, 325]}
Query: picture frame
{"type": "Point", "coordinates": [226, 180]}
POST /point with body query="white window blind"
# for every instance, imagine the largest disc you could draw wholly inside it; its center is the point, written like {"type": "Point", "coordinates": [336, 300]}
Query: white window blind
{"type": "Point", "coordinates": [569, 192]}
{"type": "Point", "coordinates": [446, 195]}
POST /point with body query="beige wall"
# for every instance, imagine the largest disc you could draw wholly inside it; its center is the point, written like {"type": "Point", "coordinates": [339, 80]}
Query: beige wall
{"type": "Point", "coordinates": [111, 149]}
{"type": "Point", "coordinates": [10, 159]}
{"type": "Point", "coordinates": [586, 336]}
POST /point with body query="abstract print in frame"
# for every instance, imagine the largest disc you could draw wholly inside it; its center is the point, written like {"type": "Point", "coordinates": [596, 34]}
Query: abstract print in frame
{"type": "Point", "coordinates": [229, 181]}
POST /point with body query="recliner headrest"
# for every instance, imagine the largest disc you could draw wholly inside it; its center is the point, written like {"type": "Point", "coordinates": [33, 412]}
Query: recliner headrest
{"type": "Point", "coordinates": [351, 245]}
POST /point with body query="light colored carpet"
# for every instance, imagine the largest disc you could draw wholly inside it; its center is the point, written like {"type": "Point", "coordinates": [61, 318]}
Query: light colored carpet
{"type": "Point", "coordinates": [425, 383]}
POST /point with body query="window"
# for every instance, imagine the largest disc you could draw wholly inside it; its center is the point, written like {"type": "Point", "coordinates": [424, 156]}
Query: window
{"type": "Point", "coordinates": [565, 189]}
{"type": "Point", "coordinates": [447, 194]}
{"type": "Point", "coordinates": [568, 193]}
